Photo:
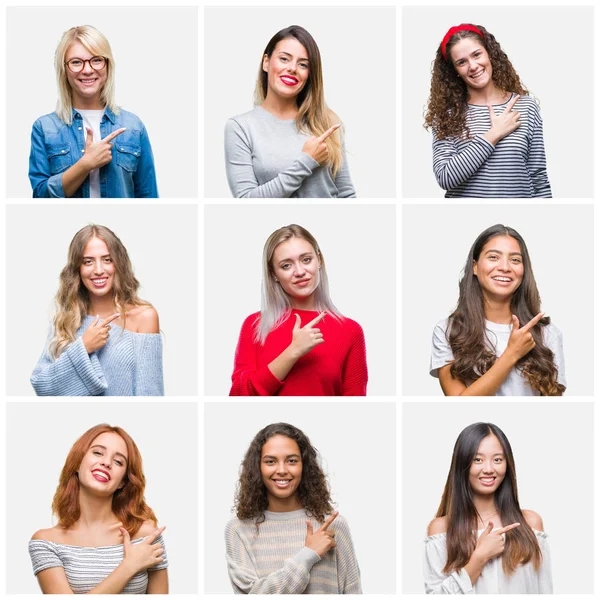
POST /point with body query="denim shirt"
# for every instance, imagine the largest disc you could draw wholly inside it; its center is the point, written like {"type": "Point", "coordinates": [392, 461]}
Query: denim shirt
{"type": "Point", "coordinates": [56, 146]}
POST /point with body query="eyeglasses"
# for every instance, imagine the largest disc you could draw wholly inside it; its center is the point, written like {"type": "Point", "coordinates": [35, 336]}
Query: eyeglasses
{"type": "Point", "coordinates": [76, 64]}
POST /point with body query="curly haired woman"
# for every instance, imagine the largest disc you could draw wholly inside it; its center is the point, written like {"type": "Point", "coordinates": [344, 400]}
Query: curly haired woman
{"type": "Point", "coordinates": [286, 538]}
{"type": "Point", "coordinates": [488, 138]}
{"type": "Point", "coordinates": [100, 507]}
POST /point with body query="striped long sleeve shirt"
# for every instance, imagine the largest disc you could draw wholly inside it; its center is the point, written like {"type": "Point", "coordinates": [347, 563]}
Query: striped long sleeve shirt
{"type": "Point", "coordinates": [272, 559]}
{"type": "Point", "coordinates": [474, 168]}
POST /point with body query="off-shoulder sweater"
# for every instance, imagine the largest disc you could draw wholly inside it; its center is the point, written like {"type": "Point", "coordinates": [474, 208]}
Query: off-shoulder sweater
{"type": "Point", "coordinates": [337, 367]}
{"type": "Point", "coordinates": [87, 567]}
{"type": "Point", "coordinates": [272, 558]}
{"type": "Point", "coordinates": [130, 364]}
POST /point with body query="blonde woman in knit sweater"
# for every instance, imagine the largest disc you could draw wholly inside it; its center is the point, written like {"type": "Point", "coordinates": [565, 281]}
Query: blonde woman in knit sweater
{"type": "Point", "coordinates": [286, 538]}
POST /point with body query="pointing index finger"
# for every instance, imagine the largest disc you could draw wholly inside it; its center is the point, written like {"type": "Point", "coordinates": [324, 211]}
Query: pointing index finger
{"type": "Point", "coordinates": [114, 134]}
{"type": "Point", "coordinates": [512, 103]}
{"type": "Point", "coordinates": [111, 319]}
{"type": "Point", "coordinates": [508, 527]}
{"type": "Point", "coordinates": [325, 135]}
{"type": "Point", "coordinates": [329, 521]}
{"type": "Point", "coordinates": [532, 322]}
{"type": "Point", "coordinates": [317, 319]}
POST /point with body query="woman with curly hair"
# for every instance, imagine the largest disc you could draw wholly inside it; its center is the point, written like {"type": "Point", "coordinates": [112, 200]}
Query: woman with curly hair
{"type": "Point", "coordinates": [286, 537]}
{"type": "Point", "coordinates": [106, 540]}
{"type": "Point", "coordinates": [298, 344]}
{"type": "Point", "coordinates": [481, 541]}
{"type": "Point", "coordinates": [488, 139]}
{"type": "Point", "coordinates": [497, 342]}
{"type": "Point", "coordinates": [290, 145]}
{"type": "Point", "coordinates": [98, 292]}
{"type": "Point", "coordinates": [89, 147]}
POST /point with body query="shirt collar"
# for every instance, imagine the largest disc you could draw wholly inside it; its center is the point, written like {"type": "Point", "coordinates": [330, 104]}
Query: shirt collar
{"type": "Point", "coordinates": [109, 114]}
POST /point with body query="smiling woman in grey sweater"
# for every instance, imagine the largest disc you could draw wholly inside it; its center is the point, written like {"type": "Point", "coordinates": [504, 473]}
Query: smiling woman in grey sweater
{"type": "Point", "coordinates": [290, 145]}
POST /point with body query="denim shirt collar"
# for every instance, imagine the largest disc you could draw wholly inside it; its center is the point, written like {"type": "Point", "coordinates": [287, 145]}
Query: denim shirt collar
{"type": "Point", "coordinates": [108, 114]}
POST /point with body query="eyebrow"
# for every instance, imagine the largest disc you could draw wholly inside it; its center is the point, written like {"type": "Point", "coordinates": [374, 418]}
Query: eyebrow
{"type": "Point", "coordinates": [301, 255]}
{"type": "Point", "coordinates": [500, 252]}
{"type": "Point", "coordinates": [291, 56]}
{"type": "Point", "coordinates": [103, 256]}
{"type": "Point", "coordinates": [288, 456]}
{"type": "Point", "coordinates": [104, 448]}
{"type": "Point", "coordinates": [497, 454]}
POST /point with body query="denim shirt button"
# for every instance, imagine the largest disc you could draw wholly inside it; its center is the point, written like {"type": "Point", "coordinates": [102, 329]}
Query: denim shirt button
{"type": "Point", "coordinates": [63, 151]}
{"type": "Point", "coordinates": [79, 128]}
{"type": "Point", "coordinates": [83, 150]}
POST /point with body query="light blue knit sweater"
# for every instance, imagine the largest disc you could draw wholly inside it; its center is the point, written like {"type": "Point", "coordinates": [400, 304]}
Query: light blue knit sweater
{"type": "Point", "coordinates": [130, 364]}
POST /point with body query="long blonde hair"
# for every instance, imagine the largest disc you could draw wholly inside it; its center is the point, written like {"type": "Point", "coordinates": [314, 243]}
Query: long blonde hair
{"type": "Point", "coordinates": [72, 298]}
{"type": "Point", "coordinates": [95, 43]}
{"type": "Point", "coordinates": [275, 305]}
{"type": "Point", "coordinates": [314, 117]}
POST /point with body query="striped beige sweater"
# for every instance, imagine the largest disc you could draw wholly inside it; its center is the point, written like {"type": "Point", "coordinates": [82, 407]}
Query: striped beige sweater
{"type": "Point", "coordinates": [274, 559]}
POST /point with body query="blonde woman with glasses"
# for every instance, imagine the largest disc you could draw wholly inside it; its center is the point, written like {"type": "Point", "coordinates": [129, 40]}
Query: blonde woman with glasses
{"type": "Point", "coordinates": [89, 147]}
{"type": "Point", "coordinates": [290, 145]}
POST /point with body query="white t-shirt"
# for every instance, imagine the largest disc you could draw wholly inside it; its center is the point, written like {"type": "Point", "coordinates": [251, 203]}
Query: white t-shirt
{"type": "Point", "coordinates": [91, 119]}
{"type": "Point", "coordinates": [498, 333]}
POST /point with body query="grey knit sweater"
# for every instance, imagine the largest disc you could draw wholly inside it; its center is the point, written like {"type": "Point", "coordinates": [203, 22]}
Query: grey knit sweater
{"type": "Point", "coordinates": [130, 364]}
{"type": "Point", "coordinates": [264, 159]}
{"type": "Point", "coordinates": [274, 560]}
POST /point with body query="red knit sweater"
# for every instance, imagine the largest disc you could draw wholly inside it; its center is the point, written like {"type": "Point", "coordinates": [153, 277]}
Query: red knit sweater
{"type": "Point", "coordinates": [338, 367]}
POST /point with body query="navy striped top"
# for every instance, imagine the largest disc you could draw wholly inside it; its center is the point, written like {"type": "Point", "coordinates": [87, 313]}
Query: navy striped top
{"type": "Point", "coordinates": [514, 168]}
{"type": "Point", "coordinates": [87, 567]}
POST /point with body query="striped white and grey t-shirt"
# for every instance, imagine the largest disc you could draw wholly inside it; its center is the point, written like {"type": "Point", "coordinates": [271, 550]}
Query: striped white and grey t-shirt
{"type": "Point", "coordinates": [475, 168]}
{"type": "Point", "coordinates": [87, 567]}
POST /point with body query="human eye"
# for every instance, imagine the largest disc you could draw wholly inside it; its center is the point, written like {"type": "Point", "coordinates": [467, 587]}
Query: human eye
{"type": "Point", "coordinates": [75, 62]}
{"type": "Point", "coordinates": [97, 452]}
{"type": "Point", "coordinates": [87, 261]}
{"type": "Point", "coordinates": [119, 462]}
{"type": "Point", "coordinates": [498, 459]}
{"type": "Point", "coordinates": [304, 65]}
{"type": "Point", "coordinates": [283, 58]}
{"type": "Point", "coordinates": [307, 259]}
{"type": "Point", "coordinates": [97, 60]}
{"type": "Point", "coordinates": [269, 461]}
{"type": "Point", "coordinates": [293, 461]}
{"type": "Point", "coordinates": [285, 266]}
{"type": "Point", "coordinates": [477, 460]}
{"type": "Point", "coordinates": [517, 260]}
{"type": "Point", "coordinates": [107, 259]}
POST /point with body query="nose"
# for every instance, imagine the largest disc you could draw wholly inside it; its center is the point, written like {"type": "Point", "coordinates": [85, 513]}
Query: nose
{"type": "Point", "coordinates": [98, 267]}
{"type": "Point", "coordinates": [488, 467]}
{"type": "Point", "coordinates": [104, 462]}
{"type": "Point", "coordinates": [299, 269]}
{"type": "Point", "coordinates": [504, 264]}
{"type": "Point", "coordinates": [87, 67]}
{"type": "Point", "coordinates": [281, 468]}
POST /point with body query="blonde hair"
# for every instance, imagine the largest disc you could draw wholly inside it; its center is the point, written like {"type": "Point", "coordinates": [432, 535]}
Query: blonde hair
{"type": "Point", "coordinates": [72, 298]}
{"type": "Point", "coordinates": [275, 305]}
{"type": "Point", "coordinates": [314, 117]}
{"type": "Point", "coordinates": [95, 43]}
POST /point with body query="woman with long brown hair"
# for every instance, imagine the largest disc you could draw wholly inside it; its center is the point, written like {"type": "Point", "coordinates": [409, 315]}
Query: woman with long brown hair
{"type": "Point", "coordinates": [286, 537]}
{"type": "Point", "coordinates": [106, 540]}
{"type": "Point", "coordinates": [481, 541]}
{"type": "Point", "coordinates": [291, 144]}
{"type": "Point", "coordinates": [97, 293]}
{"type": "Point", "coordinates": [497, 342]}
{"type": "Point", "coordinates": [488, 138]}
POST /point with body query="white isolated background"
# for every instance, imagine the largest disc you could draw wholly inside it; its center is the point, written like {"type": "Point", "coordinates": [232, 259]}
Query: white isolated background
{"type": "Point", "coordinates": [561, 81]}
{"type": "Point", "coordinates": [155, 50]}
{"type": "Point", "coordinates": [358, 458]}
{"type": "Point", "coordinates": [358, 243]}
{"type": "Point", "coordinates": [560, 240]}
{"type": "Point", "coordinates": [162, 242]}
{"type": "Point", "coordinates": [552, 445]}
{"type": "Point", "coordinates": [37, 447]}
{"type": "Point", "coordinates": [358, 48]}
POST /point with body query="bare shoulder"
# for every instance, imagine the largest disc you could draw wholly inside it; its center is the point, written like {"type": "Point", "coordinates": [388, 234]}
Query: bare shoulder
{"type": "Point", "coordinates": [143, 319]}
{"type": "Point", "coordinates": [148, 528]}
{"type": "Point", "coordinates": [52, 534]}
{"type": "Point", "coordinates": [438, 525]}
{"type": "Point", "coordinates": [533, 520]}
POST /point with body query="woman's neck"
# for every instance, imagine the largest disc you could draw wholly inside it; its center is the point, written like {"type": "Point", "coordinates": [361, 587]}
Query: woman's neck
{"type": "Point", "coordinates": [485, 507]}
{"type": "Point", "coordinates": [283, 108]}
{"type": "Point", "coordinates": [284, 504]}
{"type": "Point", "coordinates": [83, 103]}
{"type": "Point", "coordinates": [490, 94]}
{"type": "Point", "coordinates": [95, 511]}
{"type": "Point", "coordinates": [102, 305]}
{"type": "Point", "coordinates": [497, 311]}
{"type": "Point", "coordinates": [303, 303]}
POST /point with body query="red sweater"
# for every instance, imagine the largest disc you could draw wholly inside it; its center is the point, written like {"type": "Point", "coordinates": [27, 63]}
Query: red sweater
{"type": "Point", "coordinates": [338, 367]}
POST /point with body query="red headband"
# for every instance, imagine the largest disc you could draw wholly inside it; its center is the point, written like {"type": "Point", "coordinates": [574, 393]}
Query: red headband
{"type": "Point", "coordinates": [456, 29]}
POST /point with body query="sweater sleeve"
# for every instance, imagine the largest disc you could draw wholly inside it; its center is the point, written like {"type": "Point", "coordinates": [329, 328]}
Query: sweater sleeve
{"type": "Point", "coordinates": [44, 555]}
{"type": "Point", "coordinates": [73, 373]}
{"type": "Point", "coordinates": [355, 375]}
{"type": "Point", "coordinates": [343, 181]}
{"type": "Point", "coordinates": [536, 160]}
{"type": "Point", "coordinates": [149, 371]}
{"type": "Point", "coordinates": [453, 167]}
{"type": "Point", "coordinates": [348, 571]}
{"type": "Point", "coordinates": [292, 578]}
{"type": "Point", "coordinates": [43, 183]}
{"type": "Point", "coordinates": [436, 581]}
{"type": "Point", "coordinates": [240, 171]}
{"type": "Point", "coordinates": [248, 378]}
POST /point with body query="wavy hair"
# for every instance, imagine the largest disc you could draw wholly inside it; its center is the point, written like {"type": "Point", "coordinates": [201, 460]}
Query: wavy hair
{"type": "Point", "coordinates": [276, 306]}
{"type": "Point", "coordinates": [314, 117]}
{"type": "Point", "coordinates": [448, 98]}
{"type": "Point", "coordinates": [473, 352]}
{"type": "Point", "coordinates": [72, 298]}
{"type": "Point", "coordinates": [95, 43]}
{"type": "Point", "coordinates": [251, 496]}
{"type": "Point", "coordinates": [457, 505]}
{"type": "Point", "coordinates": [128, 502]}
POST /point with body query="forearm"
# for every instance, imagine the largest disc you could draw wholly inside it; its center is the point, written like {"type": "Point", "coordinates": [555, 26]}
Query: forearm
{"type": "Point", "coordinates": [284, 363]}
{"type": "Point", "coordinates": [489, 383]}
{"type": "Point", "coordinates": [74, 176]}
{"type": "Point", "coordinates": [116, 581]}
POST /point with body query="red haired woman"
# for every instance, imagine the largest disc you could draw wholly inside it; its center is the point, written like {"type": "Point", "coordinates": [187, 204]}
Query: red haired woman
{"type": "Point", "coordinates": [106, 540]}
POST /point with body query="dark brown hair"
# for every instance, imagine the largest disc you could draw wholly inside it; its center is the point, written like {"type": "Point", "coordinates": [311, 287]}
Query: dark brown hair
{"type": "Point", "coordinates": [466, 332]}
{"type": "Point", "coordinates": [457, 505]}
{"type": "Point", "coordinates": [448, 97]}
{"type": "Point", "coordinates": [313, 491]}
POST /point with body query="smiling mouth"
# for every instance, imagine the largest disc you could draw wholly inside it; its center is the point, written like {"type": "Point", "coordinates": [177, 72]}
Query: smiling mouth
{"type": "Point", "coordinates": [100, 282]}
{"type": "Point", "coordinates": [502, 279]}
{"type": "Point", "coordinates": [289, 80]}
{"type": "Point", "coordinates": [477, 75]}
{"type": "Point", "coordinates": [488, 481]}
{"type": "Point", "coordinates": [282, 483]}
{"type": "Point", "coordinates": [101, 475]}
{"type": "Point", "coordinates": [302, 282]}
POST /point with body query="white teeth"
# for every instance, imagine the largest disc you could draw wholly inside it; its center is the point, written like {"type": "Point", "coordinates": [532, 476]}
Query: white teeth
{"type": "Point", "coordinates": [99, 281]}
{"type": "Point", "coordinates": [507, 279]}
{"type": "Point", "coordinates": [100, 474]}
